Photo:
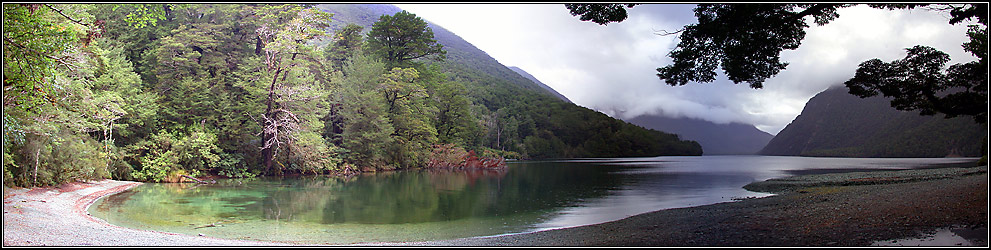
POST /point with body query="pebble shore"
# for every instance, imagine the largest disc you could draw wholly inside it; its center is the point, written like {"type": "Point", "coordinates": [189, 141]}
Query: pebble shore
{"type": "Point", "coordinates": [848, 209]}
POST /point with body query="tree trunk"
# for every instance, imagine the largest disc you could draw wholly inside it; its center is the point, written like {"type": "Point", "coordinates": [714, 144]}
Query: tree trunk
{"type": "Point", "coordinates": [499, 138]}
{"type": "Point", "coordinates": [37, 156]}
{"type": "Point", "coordinates": [107, 140]}
{"type": "Point", "coordinates": [267, 151]}
{"type": "Point", "coordinates": [258, 46]}
{"type": "Point", "coordinates": [194, 179]}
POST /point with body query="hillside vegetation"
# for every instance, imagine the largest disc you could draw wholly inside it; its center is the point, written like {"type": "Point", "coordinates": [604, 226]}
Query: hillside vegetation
{"type": "Point", "coordinates": [154, 92]}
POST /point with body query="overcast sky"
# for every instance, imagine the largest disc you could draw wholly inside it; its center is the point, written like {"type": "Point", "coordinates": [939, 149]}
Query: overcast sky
{"type": "Point", "coordinates": [612, 68]}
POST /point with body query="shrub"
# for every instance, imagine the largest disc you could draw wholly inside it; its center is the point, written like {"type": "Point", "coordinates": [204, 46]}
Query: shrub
{"type": "Point", "coordinates": [166, 155]}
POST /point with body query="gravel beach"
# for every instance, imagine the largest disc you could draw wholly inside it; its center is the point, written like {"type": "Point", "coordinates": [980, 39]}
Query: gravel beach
{"type": "Point", "coordinates": [848, 209]}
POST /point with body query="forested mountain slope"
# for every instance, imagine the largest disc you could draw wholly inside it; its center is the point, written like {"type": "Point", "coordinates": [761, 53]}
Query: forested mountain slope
{"type": "Point", "coordinates": [539, 83]}
{"type": "Point", "coordinates": [522, 116]}
{"type": "Point", "coordinates": [836, 123]}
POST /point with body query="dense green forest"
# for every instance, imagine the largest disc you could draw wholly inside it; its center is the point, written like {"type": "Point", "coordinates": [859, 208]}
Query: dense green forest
{"type": "Point", "coordinates": [150, 92]}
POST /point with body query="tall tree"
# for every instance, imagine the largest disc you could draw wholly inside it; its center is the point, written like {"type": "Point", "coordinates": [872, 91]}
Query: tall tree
{"type": "Point", "coordinates": [347, 42]}
{"type": "Point", "coordinates": [403, 37]}
{"type": "Point", "coordinates": [285, 33]}
{"type": "Point", "coordinates": [366, 128]}
{"type": "Point", "coordinates": [409, 113]}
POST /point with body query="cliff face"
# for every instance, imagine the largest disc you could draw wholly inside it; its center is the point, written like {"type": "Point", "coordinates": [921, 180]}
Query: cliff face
{"type": "Point", "coordinates": [836, 123]}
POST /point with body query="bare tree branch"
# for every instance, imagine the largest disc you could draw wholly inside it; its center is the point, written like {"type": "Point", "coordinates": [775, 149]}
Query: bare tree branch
{"type": "Point", "coordinates": [666, 33]}
{"type": "Point", "coordinates": [66, 16]}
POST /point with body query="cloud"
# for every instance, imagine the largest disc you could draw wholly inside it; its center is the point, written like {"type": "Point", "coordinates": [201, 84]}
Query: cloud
{"type": "Point", "coordinates": [612, 68]}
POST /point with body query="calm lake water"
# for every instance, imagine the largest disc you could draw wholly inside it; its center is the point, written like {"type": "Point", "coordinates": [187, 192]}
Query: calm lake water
{"type": "Point", "coordinates": [426, 205]}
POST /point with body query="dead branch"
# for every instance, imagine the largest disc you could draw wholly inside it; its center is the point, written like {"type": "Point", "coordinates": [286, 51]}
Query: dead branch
{"type": "Point", "coordinates": [194, 179]}
{"type": "Point", "coordinates": [666, 33]}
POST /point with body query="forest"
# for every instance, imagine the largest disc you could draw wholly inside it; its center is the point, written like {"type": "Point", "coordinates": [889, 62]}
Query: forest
{"type": "Point", "coordinates": [152, 92]}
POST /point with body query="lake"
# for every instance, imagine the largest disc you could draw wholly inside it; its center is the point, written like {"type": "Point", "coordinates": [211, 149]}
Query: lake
{"type": "Point", "coordinates": [422, 205]}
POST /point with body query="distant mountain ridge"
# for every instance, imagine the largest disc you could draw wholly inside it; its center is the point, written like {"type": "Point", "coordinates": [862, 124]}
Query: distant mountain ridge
{"type": "Point", "coordinates": [836, 123]}
{"type": "Point", "coordinates": [539, 83]}
{"type": "Point", "coordinates": [716, 139]}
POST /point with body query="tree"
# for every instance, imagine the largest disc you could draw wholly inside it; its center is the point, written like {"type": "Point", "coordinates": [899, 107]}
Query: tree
{"type": "Point", "coordinates": [600, 13]}
{"type": "Point", "coordinates": [50, 108]}
{"type": "Point", "coordinates": [366, 126]}
{"type": "Point", "coordinates": [917, 82]}
{"type": "Point", "coordinates": [455, 122]}
{"type": "Point", "coordinates": [403, 37]}
{"type": "Point", "coordinates": [37, 44]}
{"type": "Point", "coordinates": [347, 42]}
{"type": "Point", "coordinates": [746, 40]}
{"type": "Point", "coordinates": [409, 113]}
{"type": "Point", "coordinates": [284, 34]}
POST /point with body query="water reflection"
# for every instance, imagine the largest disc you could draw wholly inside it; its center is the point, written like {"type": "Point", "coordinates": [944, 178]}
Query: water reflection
{"type": "Point", "coordinates": [444, 204]}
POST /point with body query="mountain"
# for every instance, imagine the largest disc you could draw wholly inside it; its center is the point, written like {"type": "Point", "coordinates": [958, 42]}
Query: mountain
{"type": "Point", "coordinates": [836, 123]}
{"type": "Point", "coordinates": [541, 84]}
{"type": "Point", "coordinates": [716, 139]}
{"type": "Point", "coordinates": [464, 62]}
{"type": "Point", "coordinates": [521, 115]}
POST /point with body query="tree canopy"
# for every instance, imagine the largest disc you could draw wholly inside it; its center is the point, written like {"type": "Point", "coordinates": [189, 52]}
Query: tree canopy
{"type": "Point", "coordinates": [746, 40]}
{"type": "Point", "coordinates": [403, 37]}
{"type": "Point", "coordinates": [600, 13]}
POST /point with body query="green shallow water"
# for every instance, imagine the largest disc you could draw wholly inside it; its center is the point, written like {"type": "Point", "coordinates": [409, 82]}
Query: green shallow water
{"type": "Point", "coordinates": [383, 207]}
{"type": "Point", "coordinates": [425, 205]}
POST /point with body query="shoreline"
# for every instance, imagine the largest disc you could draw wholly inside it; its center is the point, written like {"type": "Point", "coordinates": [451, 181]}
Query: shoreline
{"type": "Point", "coordinates": [892, 212]}
{"type": "Point", "coordinates": [57, 216]}
{"type": "Point", "coordinates": [821, 210]}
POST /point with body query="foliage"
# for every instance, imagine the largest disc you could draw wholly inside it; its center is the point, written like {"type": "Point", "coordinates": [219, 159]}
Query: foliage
{"type": "Point", "coordinates": [600, 13]}
{"type": "Point", "coordinates": [60, 158]}
{"type": "Point", "coordinates": [918, 83]}
{"type": "Point", "coordinates": [505, 107]}
{"type": "Point", "coordinates": [409, 114]}
{"type": "Point", "coordinates": [52, 111]}
{"type": "Point", "coordinates": [455, 123]}
{"type": "Point", "coordinates": [347, 42]}
{"type": "Point", "coordinates": [36, 47]}
{"type": "Point", "coordinates": [167, 155]}
{"type": "Point", "coordinates": [151, 92]}
{"type": "Point", "coordinates": [746, 41]}
{"type": "Point", "coordinates": [403, 37]}
{"type": "Point", "coordinates": [143, 15]}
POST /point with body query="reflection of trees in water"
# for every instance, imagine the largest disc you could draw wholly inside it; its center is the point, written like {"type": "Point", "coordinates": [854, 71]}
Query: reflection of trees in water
{"type": "Point", "coordinates": [453, 180]}
{"type": "Point", "coordinates": [400, 197]}
{"type": "Point", "coordinates": [442, 195]}
{"type": "Point", "coordinates": [550, 185]}
{"type": "Point", "coordinates": [298, 198]}
{"type": "Point", "coordinates": [116, 201]}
